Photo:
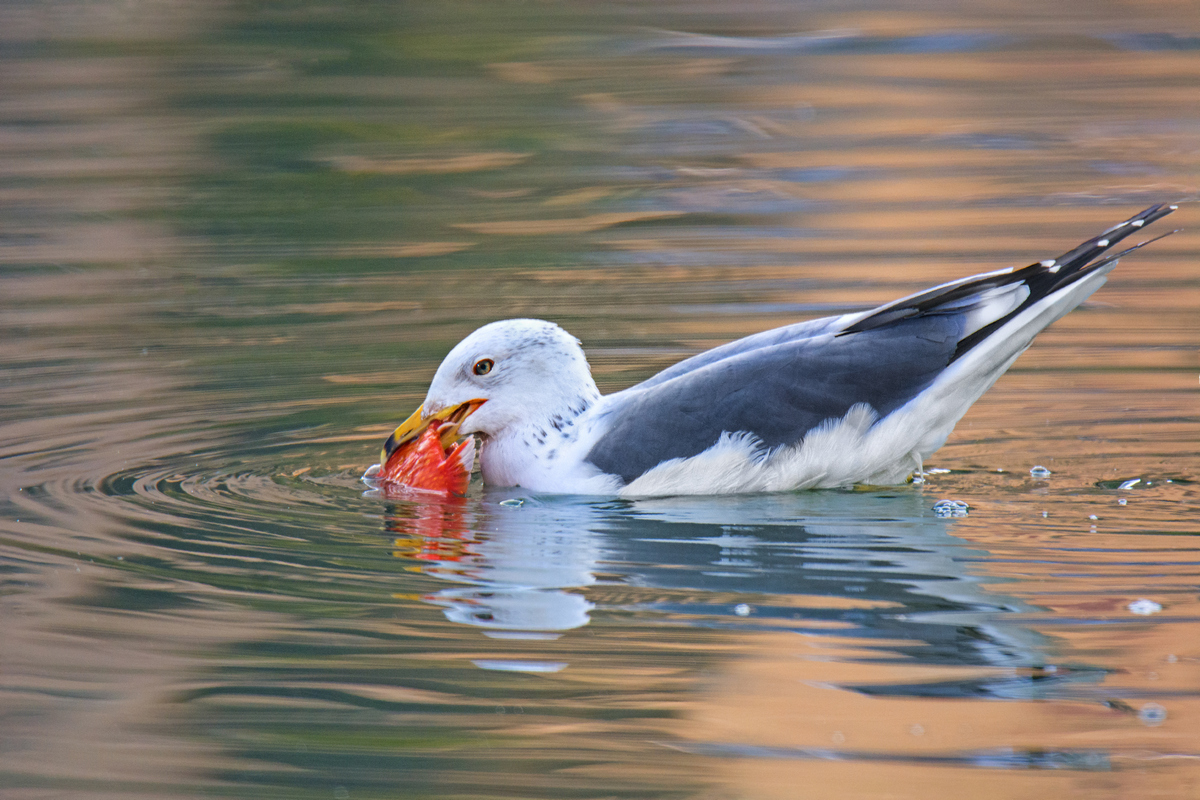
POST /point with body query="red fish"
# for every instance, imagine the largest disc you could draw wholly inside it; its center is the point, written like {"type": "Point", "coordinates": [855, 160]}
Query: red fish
{"type": "Point", "coordinates": [426, 452]}
{"type": "Point", "coordinates": [427, 462]}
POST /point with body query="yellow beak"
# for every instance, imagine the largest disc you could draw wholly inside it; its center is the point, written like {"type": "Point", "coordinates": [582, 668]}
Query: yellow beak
{"type": "Point", "coordinates": [415, 425]}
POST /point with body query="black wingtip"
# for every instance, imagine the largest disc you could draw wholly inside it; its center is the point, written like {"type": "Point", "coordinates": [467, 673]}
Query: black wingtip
{"type": "Point", "coordinates": [1073, 261]}
{"type": "Point", "coordinates": [1043, 277]}
{"type": "Point", "coordinates": [1111, 257]}
{"type": "Point", "coordinates": [1047, 277]}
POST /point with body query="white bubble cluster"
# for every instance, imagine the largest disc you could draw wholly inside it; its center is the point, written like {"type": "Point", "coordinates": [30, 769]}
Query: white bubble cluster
{"type": "Point", "coordinates": [950, 508]}
{"type": "Point", "coordinates": [1144, 607]}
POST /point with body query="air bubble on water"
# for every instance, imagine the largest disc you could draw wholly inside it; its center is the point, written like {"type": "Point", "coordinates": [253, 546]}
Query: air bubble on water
{"type": "Point", "coordinates": [917, 730]}
{"type": "Point", "coordinates": [1040, 472]}
{"type": "Point", "coordinates": [1121, 501]}
{"type": "Point", "coordinates": [1045, 514]}
{"type": "Point", "coordinates": [951, 508]}
{"type": "Point", "coordinates": [1144, 607]}
{"type": "Point", "coordinates": [514, 502]}
{"type": "Point", "coordinates": [1152, 714]}
{"type": "Point", "coordinates": [1129, 484]}
{"type": "Point", "coordinates": [742, 610]}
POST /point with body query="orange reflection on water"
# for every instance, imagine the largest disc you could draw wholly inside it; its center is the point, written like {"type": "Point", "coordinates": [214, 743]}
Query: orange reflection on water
{"type": "Point", "coordinates": [789, 713]}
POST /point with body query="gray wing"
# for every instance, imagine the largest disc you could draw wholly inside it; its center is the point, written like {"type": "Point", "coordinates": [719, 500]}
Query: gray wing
{"type": "Point", "coordinates": [778, 393]}
{"type": "Point", "coordinates": [789, 333]}
{"type": "Point", "coordinates": [780, 384]}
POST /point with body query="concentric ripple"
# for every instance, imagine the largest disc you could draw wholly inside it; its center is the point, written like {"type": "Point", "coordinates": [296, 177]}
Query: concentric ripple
{"type": "Point", "coordinates": [307, 612]}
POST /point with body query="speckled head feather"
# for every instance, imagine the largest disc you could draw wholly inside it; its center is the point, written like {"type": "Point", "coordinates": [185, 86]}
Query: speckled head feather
{"type": "Point", "coordinates": [537, 385]}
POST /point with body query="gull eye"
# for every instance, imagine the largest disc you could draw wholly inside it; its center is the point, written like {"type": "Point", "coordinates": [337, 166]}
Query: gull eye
{"type": "Point", "coordinates": [483, 366]}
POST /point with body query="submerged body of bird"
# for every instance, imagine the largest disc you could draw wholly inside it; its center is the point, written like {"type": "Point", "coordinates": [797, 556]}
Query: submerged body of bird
{"type": "Point", "coordinates": [860, 398]}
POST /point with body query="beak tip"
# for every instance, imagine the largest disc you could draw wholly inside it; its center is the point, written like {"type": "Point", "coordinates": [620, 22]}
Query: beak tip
{"type": "Point", "coordinates": [421, 419]}
{"type": "Point", "coordinates": [388, 446]}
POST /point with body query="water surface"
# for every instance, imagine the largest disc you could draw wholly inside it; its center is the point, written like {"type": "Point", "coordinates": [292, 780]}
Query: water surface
{"type": "Point", "coordinates": [235, 245]}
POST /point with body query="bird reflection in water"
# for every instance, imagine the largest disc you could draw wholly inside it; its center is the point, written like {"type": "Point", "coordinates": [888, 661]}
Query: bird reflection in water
{"type": "Point", "coordinates": [877, 566]}
{"type": "Point", "coordinates": [517, 571]}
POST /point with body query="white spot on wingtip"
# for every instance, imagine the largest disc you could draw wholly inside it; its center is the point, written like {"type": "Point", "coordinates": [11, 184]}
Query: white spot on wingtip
{"type": "Point", "coordinates": [1048, 262]}
{"type": "Point", "coordinates": [1137, 223]}
{"type": "Point", "coordinates": [1102, 243]}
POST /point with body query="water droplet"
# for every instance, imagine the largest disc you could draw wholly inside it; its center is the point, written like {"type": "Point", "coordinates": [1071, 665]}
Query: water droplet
{"type": "Point", "coordinates": [951, 508]}
{"type": "Point", "coordinates": [1122, 501]}
{"type": "Point", "coordinates": [1040, 472]}
{"type": "Point", "coordinates": [1144, 607]}
{"type": "Point", "coordinates": [1152, 714]}
{"type": "Point", "coordinates": [742, 610]}
{"type": "Point", "coordinates": [1092, 516]}
{"type": "Point", "coordinates": [514, 502]}
{"type": "Point", "coordinates": [1129, 484]}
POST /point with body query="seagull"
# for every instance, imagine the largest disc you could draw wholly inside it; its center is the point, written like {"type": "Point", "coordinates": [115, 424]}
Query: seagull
{"type": "Point", "coordinates": [856, 399]}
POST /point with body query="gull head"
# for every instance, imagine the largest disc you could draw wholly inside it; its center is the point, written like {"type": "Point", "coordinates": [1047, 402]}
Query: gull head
{"type": "Point", "coordinates": [504, 380]}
